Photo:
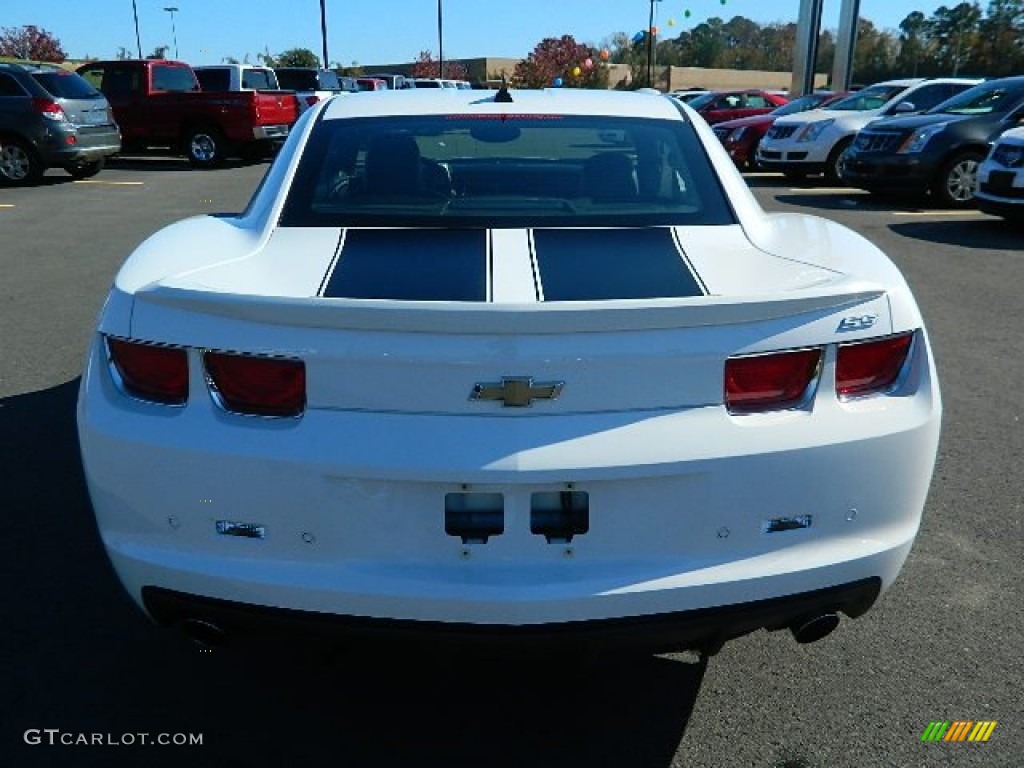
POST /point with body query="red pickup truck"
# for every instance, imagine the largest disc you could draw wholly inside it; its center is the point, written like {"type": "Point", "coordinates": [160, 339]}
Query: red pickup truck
{"type": "Point", "coordinates": [159, 103]}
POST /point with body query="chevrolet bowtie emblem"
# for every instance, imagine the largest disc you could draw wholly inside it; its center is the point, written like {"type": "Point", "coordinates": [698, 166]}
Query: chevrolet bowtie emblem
{"type": "Point", "coordinates": [517, 391]}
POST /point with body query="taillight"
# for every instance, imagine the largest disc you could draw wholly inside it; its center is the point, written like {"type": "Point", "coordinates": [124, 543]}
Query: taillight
{"type": "Point", "coordinates": [311, 100]}
{"type": "Point", "coordinates": [150, 371]}
{"type": "Point", "coordinates": [258, 386]}
{"type": "Point", "coordinates": [864, 367]}
{"type": "Point", "coordinates": [49, 109]}
{"type": "Point", "coordinates": [771, 381]}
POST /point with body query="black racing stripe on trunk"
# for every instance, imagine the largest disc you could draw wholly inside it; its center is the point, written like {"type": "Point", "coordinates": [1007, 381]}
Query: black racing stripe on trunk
{"type": "Point", "coordinates": [411, 265]}
{"type": "Point", "coordinates": [596, 264]}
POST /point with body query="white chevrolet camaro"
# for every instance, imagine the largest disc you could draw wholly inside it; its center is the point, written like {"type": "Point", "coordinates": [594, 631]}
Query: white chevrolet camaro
{"type": "Point", "coordinates": [519, 365]}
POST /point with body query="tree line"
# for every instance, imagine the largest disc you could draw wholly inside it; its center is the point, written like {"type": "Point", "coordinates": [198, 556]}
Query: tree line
{"type": "Point", "coordinates": [958, 40]}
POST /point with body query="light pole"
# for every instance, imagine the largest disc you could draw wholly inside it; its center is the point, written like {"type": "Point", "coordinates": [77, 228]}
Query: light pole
{"type": "Point", "coordinates": [138, 40]}
{"type": "Point", "coordinates": [440, 42]}
{"type": "Point", "coordinates": [650, 46]}
{"type": "Point", "coordinates": [323, 31]}
{"type": "Point", "coordinates": [173, 9]}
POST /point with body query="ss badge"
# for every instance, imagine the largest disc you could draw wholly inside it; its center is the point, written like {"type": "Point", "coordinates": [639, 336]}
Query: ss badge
{"type": "Point", "coordinates": [856, 323]}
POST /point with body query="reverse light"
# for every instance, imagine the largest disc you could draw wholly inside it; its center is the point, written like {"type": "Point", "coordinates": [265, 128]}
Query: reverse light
{"type": "Point", "coordinates": [153, 372]}
{"type": "Point", "coordinates": [770, 382]}
{"type": "Point", "coordinates": [49, 109]}
{"type": "Point", "coordinates": [867, 367]}
{"type": "Point", "coordinates": [256, 386]}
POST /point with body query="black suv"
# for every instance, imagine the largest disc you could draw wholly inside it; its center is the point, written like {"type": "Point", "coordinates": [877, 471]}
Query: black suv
{"type": "Point", "coordinates": [52, 117]}
{"type": "Point", "coordinates": [937, 152]}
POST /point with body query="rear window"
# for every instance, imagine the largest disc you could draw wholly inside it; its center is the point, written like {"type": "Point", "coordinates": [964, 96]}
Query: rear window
{"type": "Point", "coordinates": [214, 79]}
{"type": "Point", "coordinates": [173, 79]}
{"type": "Point", "coordinates": [259, 79]}
{"type": "Point", "coordinates": [297, 79]}
{"type": "Point", "coordinates": [329, 81]}
{"type": "Point", "coordinates": [504, 171]}
{"type": "Point", "coordinates": [66, 85]}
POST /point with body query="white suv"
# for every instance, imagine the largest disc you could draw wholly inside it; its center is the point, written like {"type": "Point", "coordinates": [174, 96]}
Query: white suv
{"type": "Point", "coordinates": [814, 141]}
{"type": "Point", "coordinates": [1001, 178]}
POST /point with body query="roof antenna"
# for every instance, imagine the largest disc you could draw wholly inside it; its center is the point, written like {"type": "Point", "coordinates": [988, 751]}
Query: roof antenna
{"type": "Point", "coordinates": [503, 96]}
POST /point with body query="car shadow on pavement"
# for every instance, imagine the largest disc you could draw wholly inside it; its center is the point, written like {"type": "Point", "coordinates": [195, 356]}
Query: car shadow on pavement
{"type": "Point", "coordinates": [989, 234]}
{"type": "Point", "coordinates": [173, 163]}
{"type": "Point", "coordinates": [76, 655]}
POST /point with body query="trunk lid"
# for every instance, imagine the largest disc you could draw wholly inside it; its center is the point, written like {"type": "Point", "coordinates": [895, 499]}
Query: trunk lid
{"type": "Point", "coordinates": [504, 346]}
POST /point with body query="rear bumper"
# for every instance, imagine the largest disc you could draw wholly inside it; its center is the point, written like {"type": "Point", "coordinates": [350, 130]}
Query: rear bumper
{"type": "Point", "coordinates": [353, 505]}
{"type": "Point", "coordinates": [703, 629]}
{"type": "Point", "coordinates": [270, 132]}
{"type": "Point", "coordinates": [88, 146]}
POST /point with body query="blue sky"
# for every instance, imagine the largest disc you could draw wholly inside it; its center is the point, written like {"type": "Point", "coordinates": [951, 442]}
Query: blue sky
{"type": "Point", "coordinates": [378, 32]}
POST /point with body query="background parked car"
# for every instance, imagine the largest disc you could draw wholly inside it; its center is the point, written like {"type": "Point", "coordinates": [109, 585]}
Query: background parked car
{"type": "Point", "coordinates": [741, 137]}
{"type": "Point", "coordinates": [422, 82]}
{"type": "Point", "coordinates": [689, 94]}
{"type": "Point", "coordinates": [814, 141]}
{"type": "Point", "coordinates": [371, 84]}
{"type": "Point", "coordinates": [236, 77]}
{"type": "Point", "coordinates": [394, 81]}
{"type": "Point", "coordinates": [51, 117]}
{"type": "Point", "coordinates": [937, 152]}
{"type": "Point", "coordinates": [312, 84]}
{"type": "Point", "coordinates": [159, 105]}
{"type": "Point", "coordinates": [730, 105]}
{"type": "Point", "coordinates": [1001, 178]}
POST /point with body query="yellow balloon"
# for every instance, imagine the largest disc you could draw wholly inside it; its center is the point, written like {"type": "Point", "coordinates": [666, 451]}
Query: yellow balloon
{"type": "Point", "coordinates": [671, 22]}
{"type": "Point", "coordinates": [577, 71]}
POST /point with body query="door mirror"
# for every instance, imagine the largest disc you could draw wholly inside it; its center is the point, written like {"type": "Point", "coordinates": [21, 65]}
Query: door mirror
{"type": "Point", "coordinates": [904, 108]}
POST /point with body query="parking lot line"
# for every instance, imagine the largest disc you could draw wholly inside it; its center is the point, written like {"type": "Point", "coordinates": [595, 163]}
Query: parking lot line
{"type": "Point", "coordinates": [112, 183]}
{"type": "Point", "coordinates": [6, 205]}
{"type": "Point", "coordinates": [971, 212]}
{"type": "Point", "coordinates": [826, 190]}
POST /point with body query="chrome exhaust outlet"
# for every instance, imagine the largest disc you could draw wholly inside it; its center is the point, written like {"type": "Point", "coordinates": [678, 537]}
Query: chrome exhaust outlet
{"type": "Point", "coordinates": [204, 634]}
{"type": "Point", "coordinates": [813, 628]}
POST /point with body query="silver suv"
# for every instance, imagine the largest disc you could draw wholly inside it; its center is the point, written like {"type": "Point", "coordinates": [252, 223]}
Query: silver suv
{"type": "Point", "coordinates": [52, 117]}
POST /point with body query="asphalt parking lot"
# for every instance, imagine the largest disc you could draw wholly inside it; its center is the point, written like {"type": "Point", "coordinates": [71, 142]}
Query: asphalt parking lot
{"type": "Point", "coordinates": [944, 644]}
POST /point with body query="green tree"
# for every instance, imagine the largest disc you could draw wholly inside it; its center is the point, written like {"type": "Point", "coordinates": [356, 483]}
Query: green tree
{"type": "Point", "coordinates": [160, 52]}
{"type": "Point", "coordinates": [1001, 52]}
{"type": "Point", "coordinates": [30, 42]}
{"type": "Point", "coordinates": [874, 58]}
{"type": "Point", "coordinates": [955, 33]}
{"type": "Point", "coordinates": [297, 57]}
{"type": "Point", "coordinates": [914, 43]}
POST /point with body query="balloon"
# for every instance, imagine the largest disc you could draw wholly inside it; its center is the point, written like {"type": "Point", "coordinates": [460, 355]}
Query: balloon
{"type": "Point", "coordinates": [687, 14]}
{"type": "Point", "coordinates": [605, 54]}
{"type": "Point", "coordinates": [671, 22]}
{"type": "Point", "coordinates": [576, 71]}
{"type": "Point", "coordinates": [639, 37]}
{"type": "Point", "coordinates": [558, 82]}
{"type": "Point", "coordinates": [588, 63]}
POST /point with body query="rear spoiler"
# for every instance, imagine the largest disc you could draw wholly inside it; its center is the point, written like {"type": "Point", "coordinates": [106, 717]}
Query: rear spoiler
{"type": "Point", "coordinates": [480, 318]}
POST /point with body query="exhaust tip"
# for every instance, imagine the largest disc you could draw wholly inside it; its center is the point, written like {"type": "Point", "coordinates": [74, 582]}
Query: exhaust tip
{"type": "Point", "coordinates": [813, 628]}
{"type": "Point", "coordinates": [203, 633]}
